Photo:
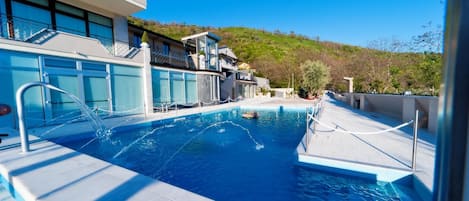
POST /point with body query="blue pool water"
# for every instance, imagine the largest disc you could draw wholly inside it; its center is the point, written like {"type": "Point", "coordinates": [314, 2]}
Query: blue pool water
{"type": "Point", "coordinates": [226, 157]}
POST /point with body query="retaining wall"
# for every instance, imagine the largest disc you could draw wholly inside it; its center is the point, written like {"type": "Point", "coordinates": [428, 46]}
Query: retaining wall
{"type": "Point", "coordinates": [397, 106]}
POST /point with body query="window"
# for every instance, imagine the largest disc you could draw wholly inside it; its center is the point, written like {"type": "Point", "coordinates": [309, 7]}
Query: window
{"type": "Point", "coordinates": [101, 29]}
{"type": "Point", "coordinates": [70, 24]}
{"type": "Point", "coordinates": [40, 2]}
{"type": "Point", "coordinates": [166, 49]}
{"type": "Point", "coordinates": [93, 66]}
{"type": "Point", "coordinates": [160, 83]}
{"type": "Point", "coordinates": [59, 63]}
{"type": "Point", "coordinates": [191, 88]}
{"type": "Point", "coordinates": [28, 20]}
{"type": "Point", "coordinates": [33, 16]}
{"type": "Point", "coordinates": [177, 88]}
{"type": "Point", "coordinates": [96, 92]}
{"type": "Point", "coordinates": [70, 10]}
{"type": "Point", "coordinates": [89, 83]}
{"type": "Point", "coordinates": [136, 40]}
{"type": "Point", "coordinates": [70, 19]}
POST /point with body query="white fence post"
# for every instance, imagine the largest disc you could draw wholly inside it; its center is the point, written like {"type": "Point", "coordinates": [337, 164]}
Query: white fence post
{"type": "Point", "coordinates": [414, 149]}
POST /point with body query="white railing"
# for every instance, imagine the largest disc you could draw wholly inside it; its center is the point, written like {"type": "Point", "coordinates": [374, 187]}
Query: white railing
{"type": "Point", "coordinates": [312, 113]}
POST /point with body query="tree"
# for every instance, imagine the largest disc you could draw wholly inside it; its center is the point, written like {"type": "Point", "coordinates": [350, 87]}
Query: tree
{"type": "Point", "coordinates": [315, 76]}
{"type": "Point", "coordinates": [145, 37]}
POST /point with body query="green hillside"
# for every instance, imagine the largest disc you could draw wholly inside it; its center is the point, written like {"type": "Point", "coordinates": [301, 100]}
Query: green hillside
{"type": "Point", "coordinates": [277, 56]}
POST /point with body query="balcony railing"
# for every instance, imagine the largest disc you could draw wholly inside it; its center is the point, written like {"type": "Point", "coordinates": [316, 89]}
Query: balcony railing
{"type": "Point", "coordinates": [173, 59]}
{"type": "Point", "coordinates": [227, 65]}
{"type": "Point", "coordinates": [244, 76]}
{"type": "Point", "coordinates": [22, 29]}
{"type": "Point", "coordinates": [26, 30]}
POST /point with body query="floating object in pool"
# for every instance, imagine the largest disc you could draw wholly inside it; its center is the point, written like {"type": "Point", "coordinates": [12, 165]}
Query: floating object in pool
{"type": "Point", "coordinates": [250, 115]}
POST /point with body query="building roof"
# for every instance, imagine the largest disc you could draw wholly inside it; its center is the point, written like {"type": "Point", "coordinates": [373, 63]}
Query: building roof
{"type": "Point", "coordinates": [208, 34]}
{"type": "Point", "coordinates": [154, 33]}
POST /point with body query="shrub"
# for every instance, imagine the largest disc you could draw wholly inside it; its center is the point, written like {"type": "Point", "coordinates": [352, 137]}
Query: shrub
{"type": "Point", "coordinates": [315, 76]}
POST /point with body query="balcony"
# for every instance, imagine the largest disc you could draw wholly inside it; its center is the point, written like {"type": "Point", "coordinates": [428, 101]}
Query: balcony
{"type": "Point", "coordinates": [23, 30]}
{"type": "Point", "coordinates": [30, 31]}
{"type": "Point", "coordinates": [244, 76]}
{"type": "Point", "coordinates": [173, 59]}
{"type": "Point", "coordinates": [121, 7]}
{"type": "Point", "coordinates": [225, 65]}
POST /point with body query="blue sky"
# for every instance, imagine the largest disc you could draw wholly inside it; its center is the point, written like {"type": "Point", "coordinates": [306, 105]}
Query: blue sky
{"type": "Point", "coordinates": [354, 22]}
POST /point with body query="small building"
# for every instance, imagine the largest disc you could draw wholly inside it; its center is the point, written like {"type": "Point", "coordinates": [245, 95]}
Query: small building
{"type": "Point", "coordinates": [181, 71]}
{"type": "Point", "coordinates": [203, 54]}
{"type": "Point", "coordinates": [236, 83]}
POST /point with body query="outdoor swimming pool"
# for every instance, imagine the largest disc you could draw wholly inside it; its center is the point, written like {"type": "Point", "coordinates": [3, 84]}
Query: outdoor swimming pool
{"type": "Point", "coordinates": [223, 156]}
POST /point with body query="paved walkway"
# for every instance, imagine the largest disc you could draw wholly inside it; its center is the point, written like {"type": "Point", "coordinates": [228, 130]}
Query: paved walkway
{"type": "Point", "coordinates": [392, 149]}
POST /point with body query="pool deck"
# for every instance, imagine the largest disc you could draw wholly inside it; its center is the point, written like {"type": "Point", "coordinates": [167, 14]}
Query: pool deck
{"type": "Point", "coordinates": [54, 172]}
{"type": "Point", "coordinates": [388, 155]}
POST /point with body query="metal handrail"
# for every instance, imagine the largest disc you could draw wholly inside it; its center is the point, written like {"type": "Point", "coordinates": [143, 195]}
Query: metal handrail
{"type": "Point", "coordinates": [24, 138]}
{"type": "Point", "coordinates": [311, 114]}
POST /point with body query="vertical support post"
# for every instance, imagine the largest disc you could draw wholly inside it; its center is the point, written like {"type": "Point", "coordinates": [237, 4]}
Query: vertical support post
{"type": "Point", "coordinates": [293, 85]}
{"type": "Point", "coordinates": [414, 149]}
{"type": "Point", "coordinates": [307, 130]}
{"type": "Point", "coordinates": [147, 82]}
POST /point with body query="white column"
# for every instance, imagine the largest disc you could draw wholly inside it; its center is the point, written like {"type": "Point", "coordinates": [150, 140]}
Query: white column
{"type": "Point", "coordinates": [350, 84]}
{"type": "Point", "coordinates": [218, 88]}
{"type": "Point", "coordinates": [147, 84]}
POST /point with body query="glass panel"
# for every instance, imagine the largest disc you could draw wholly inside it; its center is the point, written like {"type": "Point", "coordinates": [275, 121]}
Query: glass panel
{"type": "Point", "coordinates": [177, 88]}
{"type": "Point", "coordinates": [160, 86]}
{"type": "Point", "coordinates": [59, 63]}
{"type": "Point", "coordinates": [93, 66]}
{"type": "Point", "coordinates": [136, 40]}
{"type": "Point", "coordinates": [126, 70]}
{"type": "Point", "coordinates": [127, 91]}
{"type": "Point", "coordinates": [99, 19]}
{"type": "Point", "coordinates": [3, 20]}
{"type": "Point", "coordinates": [96, 92]}
{"type": "Point", "coordinates": [61, 103]}
{"type": "Point", "coordinates": [70, 24]}
{"type": "Point", "coordinates": [102, 33]}
{"type": "Point", "coordinates": [191, 89]}
{"type": "Point", "coordinates": [212, 54]}
{"type": "Point", "coordinates": [189, 76]}
{"type": "Point", "coordinates": [69, 9]}
{"type": "Point", "coordinates": [29, 20]}
{"type": "Point", "coordinates": [25, 70]}
{"type": "Point", "coordinates": [165, 49]}
{"type": "Point", "coordinates": [40, 2]}
{"type": "Point", "coordinates": [2, 8]}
